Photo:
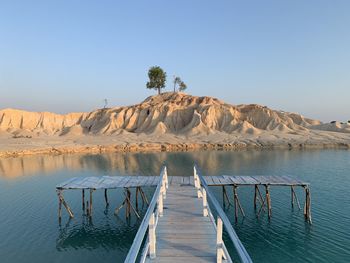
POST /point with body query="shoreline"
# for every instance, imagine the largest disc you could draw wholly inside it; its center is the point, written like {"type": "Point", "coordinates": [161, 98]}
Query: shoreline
{"type": "Point", "coordinates": [165, 147]}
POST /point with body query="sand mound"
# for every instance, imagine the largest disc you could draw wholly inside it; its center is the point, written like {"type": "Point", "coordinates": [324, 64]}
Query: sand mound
{"type": "Point", "coordinates": [174, 113]}
{"type": "Point", "coordinates": [335, 127]}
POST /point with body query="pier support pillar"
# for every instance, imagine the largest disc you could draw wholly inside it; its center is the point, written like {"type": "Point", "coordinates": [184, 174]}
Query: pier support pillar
{"type": "Point", "coordinates": [237, 203]}
{"type": "Point", "coordinates": [307, 206]}
{"type": "Point", "coordinates": [268, 201]}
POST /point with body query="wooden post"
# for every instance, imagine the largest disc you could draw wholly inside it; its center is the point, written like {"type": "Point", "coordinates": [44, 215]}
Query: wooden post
{"type": "Point", "coordinates": [255, 196]}
{"type": "Point", "coordinates": [197, 183]}
{"type": "Point", "coordinates": [160, 205]}
{"type": "Point", "coordinates": [128, 195]}
{"type": "Point", "coordinates": [292, 195]}
{"type": "Point", "coordinates": [144, 197]}
{"type": "Point", "coordinates": [219, 243]}
{"type": "Point", "coordinates": [87, 208]}
{"type": "Point", "coordinates": [106, 198]}
{"type": "Point", "coordinates": [237, 203]}
{"type": "Point", "coordinates": [307, 209]}
{"type": "Point", "coordinates": [59, 207]}
{"type": "Point", "coordinates": [166, 177]}
{"type": "Point", "coordinates": [205, 203]}
{"type": "Point", "coordinates": [136, 197]}
{"type": "Point", "coordinates": [62, 201]}
{"type": "Point", "coordinates": [83, 199]}
{"type": "Point", "coordinates": [164, 189]}
{"type": "Point", "coordinates": [223, 196]}
{"type": "Point", "coordinates": [152, 237]}
{"type": "Point", "coordinates": [128, 201]}
{"type": "Point", "coordinates": [268, 201]}
{"type": "Point", "coordinates": [90, 208]}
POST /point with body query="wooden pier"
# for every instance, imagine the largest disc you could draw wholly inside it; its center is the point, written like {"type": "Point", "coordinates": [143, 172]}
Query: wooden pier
{"type": "Point", "coordinates": [179, 225]}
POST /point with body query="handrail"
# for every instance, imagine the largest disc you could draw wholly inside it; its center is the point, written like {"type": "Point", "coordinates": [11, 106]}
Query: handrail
{"type": "Point", "coordinates": [137, 243]}
{"type": "Point", "coordinates": [241, 251]}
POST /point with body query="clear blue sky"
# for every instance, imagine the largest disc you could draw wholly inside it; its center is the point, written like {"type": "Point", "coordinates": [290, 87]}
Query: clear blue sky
{"type": "Point", "coordinates": [66, 56]}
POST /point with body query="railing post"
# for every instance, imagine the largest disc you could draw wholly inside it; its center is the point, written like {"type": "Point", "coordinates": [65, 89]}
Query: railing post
{"type": "Point", "coordinates": [163, 190]}
{"type": "Point", "coordinates": [219, 243]}
{"type": "Point", "coordinates": [166, 177]}
{"type": "Point", "coordinates": [152, 237]}
{"type": "Point", "coordinates": [197, 183]}
{"type": "Point", "coordinates": [160, 204]}
{"type": "Point", "coordinates": [205, 203]}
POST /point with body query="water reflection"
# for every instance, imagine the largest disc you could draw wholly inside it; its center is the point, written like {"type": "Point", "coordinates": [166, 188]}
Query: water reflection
{"type": "Point", "coordinates": [88, 236]}
{"type": "Point", "coordinates": [211, 162]}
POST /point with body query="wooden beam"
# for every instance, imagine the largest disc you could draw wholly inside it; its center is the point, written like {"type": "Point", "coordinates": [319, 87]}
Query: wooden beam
{"type": "Point", "coordinates": [66, 206]}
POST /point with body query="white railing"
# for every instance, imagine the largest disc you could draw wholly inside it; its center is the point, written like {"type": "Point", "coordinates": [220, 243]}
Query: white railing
{"type": "Point", "coordinates": [203, 192]}
{"type": "Point", "coordinates": [149, 222]}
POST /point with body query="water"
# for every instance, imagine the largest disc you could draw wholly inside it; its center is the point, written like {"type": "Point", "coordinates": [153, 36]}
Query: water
{"type": "Point", "coordinates": [30, 231]}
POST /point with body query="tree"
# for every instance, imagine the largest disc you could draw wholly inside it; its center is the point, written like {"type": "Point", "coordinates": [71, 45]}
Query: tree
{"type": "Point", "coordinates": [177, 82]}
{"type": "Point", "coordinates": [182, 86]}
{"type": "Point", "coordinates": [157, 78]}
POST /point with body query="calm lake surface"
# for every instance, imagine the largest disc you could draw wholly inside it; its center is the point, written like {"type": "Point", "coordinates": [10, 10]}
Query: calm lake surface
{"type": "Point", "coordinates": [30, 230]}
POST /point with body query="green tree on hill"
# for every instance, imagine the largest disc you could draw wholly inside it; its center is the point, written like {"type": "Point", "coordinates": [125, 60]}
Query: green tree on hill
{"type": "Point", "coordinates": [157, 78]}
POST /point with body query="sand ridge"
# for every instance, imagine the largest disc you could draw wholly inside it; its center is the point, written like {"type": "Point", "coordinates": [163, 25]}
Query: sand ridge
{"type": "Point", "coordinates": [170, 121]}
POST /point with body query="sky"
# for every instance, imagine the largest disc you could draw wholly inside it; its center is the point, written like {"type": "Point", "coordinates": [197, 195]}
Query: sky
{"type": "Point", "coordinates": [68, 56]}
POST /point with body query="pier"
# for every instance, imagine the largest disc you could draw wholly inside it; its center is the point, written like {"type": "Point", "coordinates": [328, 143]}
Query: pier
{"type": "Point", "coordinates": [179, 225]}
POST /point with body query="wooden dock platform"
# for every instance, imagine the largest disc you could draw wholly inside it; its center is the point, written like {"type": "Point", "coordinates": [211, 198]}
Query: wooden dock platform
{"type": "Point", "coordinates": [179, 225]}
{"type": "Point", "coordinates": [183, 234]}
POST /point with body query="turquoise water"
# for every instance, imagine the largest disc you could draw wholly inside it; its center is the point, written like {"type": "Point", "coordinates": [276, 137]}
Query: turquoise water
{"type": "Point", "coordinates": [30, 230]}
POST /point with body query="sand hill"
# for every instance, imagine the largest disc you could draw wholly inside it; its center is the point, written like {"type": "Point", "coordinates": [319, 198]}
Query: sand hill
{"type": "Point", "coordinates": [167, 119]}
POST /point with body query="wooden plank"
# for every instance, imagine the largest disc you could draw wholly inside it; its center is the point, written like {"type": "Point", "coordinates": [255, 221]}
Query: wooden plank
{"type": "Point", "coordinates": [183, 232]}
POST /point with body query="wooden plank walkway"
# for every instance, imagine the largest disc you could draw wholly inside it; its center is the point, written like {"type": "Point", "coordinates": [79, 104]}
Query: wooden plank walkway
{"type": "Point", "coordinates": [183, 233]}
{"type": "Point", "coordinates": [113, 182]}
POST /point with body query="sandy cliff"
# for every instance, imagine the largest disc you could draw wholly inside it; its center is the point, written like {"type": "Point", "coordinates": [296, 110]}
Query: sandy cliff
{"type": "Point", "coordinates": [171, 121]}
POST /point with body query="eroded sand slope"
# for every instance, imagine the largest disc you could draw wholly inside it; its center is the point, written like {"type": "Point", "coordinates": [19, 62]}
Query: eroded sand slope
{"type": "Point", "coordinates": [170, 121]}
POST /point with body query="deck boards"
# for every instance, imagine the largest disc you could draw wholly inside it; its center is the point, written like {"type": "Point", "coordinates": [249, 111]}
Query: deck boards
{"type": "Point", "coordinates": [183, 234]}
{"type": "Point", "coordinates": [112, 182]}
